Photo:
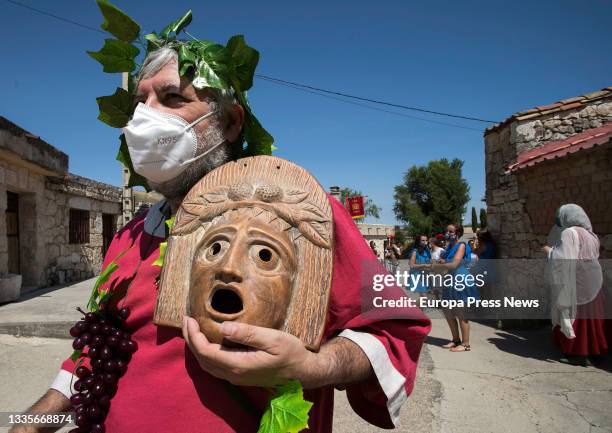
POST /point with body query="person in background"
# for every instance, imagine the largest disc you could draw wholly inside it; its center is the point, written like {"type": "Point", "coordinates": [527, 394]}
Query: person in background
{"type": "Point", "coordinates": [373, 248]}
{"type": "Point", "coordinates": [576, 280]}
{"type": "Point", "coordinates": [455, 262]}
{"type": "Point", "coordinates": [420, 261]}
{"type": "Point", "coordinates": [397, 252]}
{"type": "Point", "coordinates": [386, 255]}
{"type": "Point", "coordinates": [391, 257]}
{"type": "Point", "coordinates": [473, 255]}
{"type": "Point", "coordinates": [487, 248]}
{"type": "Point", "coordinates": [436, 249]}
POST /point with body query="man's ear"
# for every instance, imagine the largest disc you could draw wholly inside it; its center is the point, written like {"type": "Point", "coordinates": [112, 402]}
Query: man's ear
{"type": "Point", "coordinates": [233, 123]}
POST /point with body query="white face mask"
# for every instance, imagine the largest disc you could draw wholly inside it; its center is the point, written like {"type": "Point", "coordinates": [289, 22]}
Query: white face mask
{"type": "Point", "coordinates": [162, 145]}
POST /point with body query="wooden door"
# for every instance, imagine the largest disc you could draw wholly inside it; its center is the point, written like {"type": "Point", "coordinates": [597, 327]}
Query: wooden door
{"type": "Point", "coordinates": [12, 232]}
{"type": "Point", "coordinates": [108, 231]}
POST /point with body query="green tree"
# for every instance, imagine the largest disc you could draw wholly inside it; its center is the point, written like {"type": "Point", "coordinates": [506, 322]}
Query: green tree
{"type": "Point", "coordinates": [432, 196]}
{"type": "Point", "coordinates": [474, 219]}
{"type": "Point", "coordinates": [483, 218]}
{"type": "Point", "coordinates": [370, 208]}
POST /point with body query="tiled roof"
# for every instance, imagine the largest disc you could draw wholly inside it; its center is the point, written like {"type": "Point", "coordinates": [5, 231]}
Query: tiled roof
{"type": "Point", "coordinates": [564, 104]}
{"type": "Point", "coordinates": [557, 149]}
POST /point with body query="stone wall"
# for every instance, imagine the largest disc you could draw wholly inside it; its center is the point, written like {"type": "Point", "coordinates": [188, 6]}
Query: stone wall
{"type": "Point", "coordinates": [583, 178]}
{"type": "Point", "coordinates": [29, 185]}
{"type": "Point", "coordinates": [530, 133]}
{"type": "Point", "coordinates": [46, 256]}
{"type": "Point", "coordinates": [521, 205]}
{"type": "Point", "coordinates": [38, 173]}
{"type": "Point", "coordinates": [509, 215]}
{"type": "Point", "coordinates": [73, 262]}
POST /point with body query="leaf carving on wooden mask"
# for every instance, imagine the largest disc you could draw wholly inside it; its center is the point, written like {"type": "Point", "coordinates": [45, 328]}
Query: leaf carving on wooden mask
{"type": "Point", "coordinates": [294, 196]}
{"type": "Point", "coordinates": [216, 195]}
{"type": "Point", "coordinates": [187, 224]}
{"type": "Point", "coordinates": [315, 233]}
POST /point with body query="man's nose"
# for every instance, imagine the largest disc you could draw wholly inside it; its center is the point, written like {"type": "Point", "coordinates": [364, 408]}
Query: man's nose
{"type": "Point", "coordinates": [230, 268]}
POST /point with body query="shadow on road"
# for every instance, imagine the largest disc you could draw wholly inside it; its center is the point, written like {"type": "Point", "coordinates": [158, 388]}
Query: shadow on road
{"type": "Point", "coordinates": [538, 345]}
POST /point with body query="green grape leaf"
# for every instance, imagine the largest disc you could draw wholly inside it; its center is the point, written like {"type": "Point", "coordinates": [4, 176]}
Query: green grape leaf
{"type": "Point", "coordinates": [244, 61]}
{"type": "Point", "coordinates": [259, 141]}
{"type": "Point", "coordinates": [115, 109]}
{"type": "Point", "coordinates": [178, 25]}
{"type": "Point", "coordinates": [288, 411]}
{"type": "Point", "coordinates": [162, 253]}
{"type": "Point", "coordinates": [94, 303]}
{"type": "Point", "coordinates": [117, 22]}
{"type": "Point", "coordinates": [123, 156]}
{"type": "Point", "coordinates": [153, 41]}
{"type": "Point", "coordinates": [170, 222]}
{"type": "Point", "coordinates": [210, 66]}
{"type": "Point", "coordinates": [116, 56]}
{"type": "Point", "coordinates": [76, 355]}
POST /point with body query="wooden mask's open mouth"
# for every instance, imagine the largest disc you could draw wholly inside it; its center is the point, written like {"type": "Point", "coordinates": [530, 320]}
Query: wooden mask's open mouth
{"type": "Point", "coordinates": [225, 303]}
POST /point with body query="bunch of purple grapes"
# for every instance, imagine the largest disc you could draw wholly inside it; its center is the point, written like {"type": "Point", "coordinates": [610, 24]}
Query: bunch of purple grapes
{"type": "Point", "coordinates": [110, 348]}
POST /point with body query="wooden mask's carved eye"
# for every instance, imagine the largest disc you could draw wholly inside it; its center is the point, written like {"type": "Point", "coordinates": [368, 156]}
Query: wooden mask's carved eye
{"type": "Point", "coordinates": [265, 258]}
{"type": "Point", "coordinates": [216, 250]}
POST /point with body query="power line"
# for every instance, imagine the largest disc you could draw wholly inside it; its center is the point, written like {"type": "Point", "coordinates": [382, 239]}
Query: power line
{"type": "Point", "coordinates": [370, 107]}
{"type": "Point", "coordinates": [374, 101]}
{"type": "Point", "coordinates": [304, 87]}
{"type": "Point", "coordinates": [57, 17]}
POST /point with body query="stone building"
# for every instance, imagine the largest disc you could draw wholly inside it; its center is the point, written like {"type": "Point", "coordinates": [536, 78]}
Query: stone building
{"type": "Point", "coordinates": [378, 233]}
{"type": "Point", "coordinates": [57, 225]}
{"type": "Point", "coordinates": [539, 159]}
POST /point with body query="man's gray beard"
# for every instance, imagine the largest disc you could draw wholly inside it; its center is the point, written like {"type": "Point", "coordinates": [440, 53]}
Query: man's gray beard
{"type": "Point", "coordinates": [177, 188]}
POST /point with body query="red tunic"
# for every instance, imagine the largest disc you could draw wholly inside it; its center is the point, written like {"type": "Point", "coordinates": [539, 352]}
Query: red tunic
{"type": "Point", "coordinates": [165, 390]}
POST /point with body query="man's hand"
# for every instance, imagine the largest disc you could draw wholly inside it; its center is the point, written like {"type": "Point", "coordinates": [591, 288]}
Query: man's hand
{"type": "Point", "coordinates": [274, 357]}
{"type": "Point", "coordinates": [51, 402]}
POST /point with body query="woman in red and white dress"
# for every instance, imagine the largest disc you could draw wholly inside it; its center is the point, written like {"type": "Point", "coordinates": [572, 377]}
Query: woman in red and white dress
{"type": "Point", "coordinates": [575, 277]}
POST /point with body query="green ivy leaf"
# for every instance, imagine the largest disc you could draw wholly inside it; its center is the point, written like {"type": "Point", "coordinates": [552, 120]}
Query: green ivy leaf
{"type": "Point", "coordinates": [123, 156]}
{"type": "Point", "coordinates": [116, 109]}
{"type": "Point", "coordinates": [288, 411]}
{"type": "Point", "coordinates": [178, 25]}
{"type": "Point", "coordinates": [244, 60]}
{"type": "Point", "coordinates": [116, 56]}
{"type": "Point", "coordinates": [117, 22]}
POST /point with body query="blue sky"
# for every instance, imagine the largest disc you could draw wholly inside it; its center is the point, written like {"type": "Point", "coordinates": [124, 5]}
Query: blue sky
{"type": "Point", "coordinates": [486, 59]}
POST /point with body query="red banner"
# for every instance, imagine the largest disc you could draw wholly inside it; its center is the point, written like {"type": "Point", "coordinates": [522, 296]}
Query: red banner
{"type": "Point", "coordinates": [355, 206]}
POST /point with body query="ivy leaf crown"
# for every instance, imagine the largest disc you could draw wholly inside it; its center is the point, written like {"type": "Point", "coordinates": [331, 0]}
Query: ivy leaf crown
{"type": "Point", "coordinates": [207, 64]}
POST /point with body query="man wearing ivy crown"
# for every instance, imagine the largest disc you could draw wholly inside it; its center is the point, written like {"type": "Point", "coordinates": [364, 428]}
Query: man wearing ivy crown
{"type": "Point", "coordinates": [195, 91]}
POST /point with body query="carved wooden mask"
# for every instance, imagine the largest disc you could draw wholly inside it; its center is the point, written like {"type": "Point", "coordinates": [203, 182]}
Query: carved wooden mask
{"type": "Point", "coordinates": [252, 242]}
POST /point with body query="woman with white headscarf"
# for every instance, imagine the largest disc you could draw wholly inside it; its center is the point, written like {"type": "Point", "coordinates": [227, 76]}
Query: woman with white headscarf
{"type": "Point", "coordinates": [575, 278]}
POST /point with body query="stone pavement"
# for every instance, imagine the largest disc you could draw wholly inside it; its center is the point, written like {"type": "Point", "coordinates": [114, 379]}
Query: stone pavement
{"type": "Point", "coordinates": [46, 312]}
{"type": "Point", "coordinates": [510, 381]}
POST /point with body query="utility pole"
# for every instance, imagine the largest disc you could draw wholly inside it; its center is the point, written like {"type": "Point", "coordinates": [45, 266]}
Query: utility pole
{"type": "Point", "coordinates": [127, 197]}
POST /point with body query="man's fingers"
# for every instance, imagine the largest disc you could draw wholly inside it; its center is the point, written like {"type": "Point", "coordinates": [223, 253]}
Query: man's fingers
{"type": "Point", "coordinates": [252, 336]}
{"type": "Point", "coordinates": [195, 339]}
